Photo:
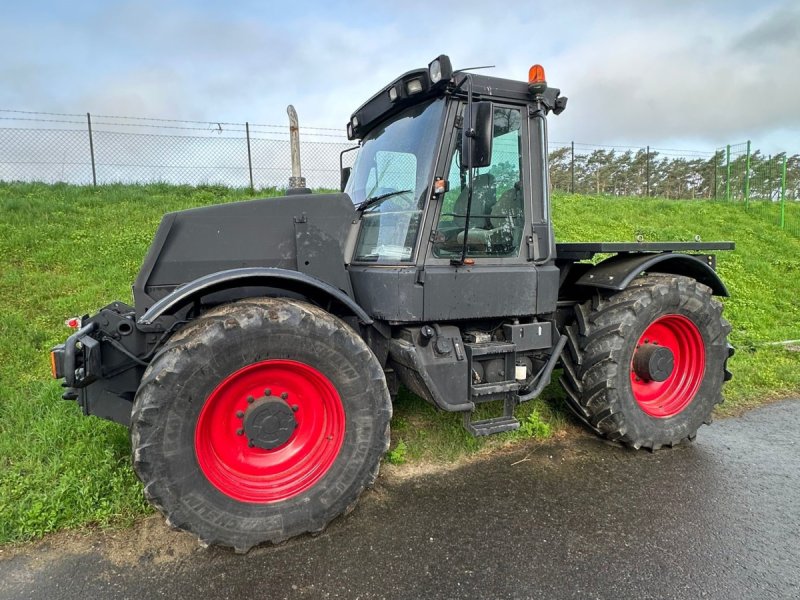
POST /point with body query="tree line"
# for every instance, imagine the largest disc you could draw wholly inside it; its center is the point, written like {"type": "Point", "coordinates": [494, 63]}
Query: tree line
{"type": "Point", "coordinates": [643, 173]}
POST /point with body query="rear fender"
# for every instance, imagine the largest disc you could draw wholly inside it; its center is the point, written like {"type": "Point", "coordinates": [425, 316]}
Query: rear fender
{"type": "Point", "coordinates": [617, 272]}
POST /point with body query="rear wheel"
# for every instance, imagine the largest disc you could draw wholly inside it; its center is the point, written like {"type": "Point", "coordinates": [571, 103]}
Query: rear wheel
{"type": "Point", "coordinates": [645, 366]}
{"type": "Point", "coordinates": [262, 420]}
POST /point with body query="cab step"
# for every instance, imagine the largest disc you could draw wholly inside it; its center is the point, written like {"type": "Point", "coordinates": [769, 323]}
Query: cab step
{"type": "Point", "coordinates": [480, 390]}
{"type": "Point", "coordinates": [490, 426]}
{"type": "Point", "coordinates": [501, 424]}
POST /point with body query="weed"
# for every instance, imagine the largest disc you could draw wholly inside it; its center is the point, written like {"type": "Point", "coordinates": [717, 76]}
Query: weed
{"type": "Point", "coordinates": [534, 426]}
{"type": "Point", "coordinates": [397, 455]}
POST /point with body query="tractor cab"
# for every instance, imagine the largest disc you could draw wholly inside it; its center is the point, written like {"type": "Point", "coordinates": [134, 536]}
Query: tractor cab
{"type": "Point", "coordinates": [450, 180]}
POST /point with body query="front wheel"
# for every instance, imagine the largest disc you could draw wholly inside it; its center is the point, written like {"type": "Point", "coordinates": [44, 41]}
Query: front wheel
{"type": "Point", "coordinates": [645, 366]}
{"type": "Point", "coordinates": [259, 421]}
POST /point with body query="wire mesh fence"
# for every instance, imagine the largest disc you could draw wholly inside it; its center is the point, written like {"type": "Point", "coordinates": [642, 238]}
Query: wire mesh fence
{"type": "Point", "coordinates": [102, 149]}
{"type": "Point", "coordinates": [768, 186]}
{"type": "Point", "coordinates": [83, 148]}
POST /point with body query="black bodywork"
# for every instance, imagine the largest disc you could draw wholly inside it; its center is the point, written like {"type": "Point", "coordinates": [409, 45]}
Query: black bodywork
{"type": "Point", "coordinates": [456, 333]}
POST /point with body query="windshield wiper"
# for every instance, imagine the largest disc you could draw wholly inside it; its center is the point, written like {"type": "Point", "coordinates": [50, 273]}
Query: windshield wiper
{"type": "Point", "coordinates": [375, 199]}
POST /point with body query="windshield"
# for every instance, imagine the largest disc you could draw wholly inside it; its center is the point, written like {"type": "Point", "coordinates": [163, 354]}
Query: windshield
{"type": "Point", "coordinates": [390, 181]}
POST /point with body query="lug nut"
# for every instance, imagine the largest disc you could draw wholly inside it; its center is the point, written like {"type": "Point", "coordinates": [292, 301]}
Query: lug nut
{"type": "Point", "coordinates": [239, 414]}
{"type": "Point", "coordinates": [250, 399]}
{"type": "Point", "coordinates": [284, 395]}
{"type": "Point", "coordinates": [267, 392]}
{"type": "Point", "coordinates": [295, 408]}
{"type": "Point", "coordinates": [251, 444]}
{"type": "Point", "coordinates": [240, 432]}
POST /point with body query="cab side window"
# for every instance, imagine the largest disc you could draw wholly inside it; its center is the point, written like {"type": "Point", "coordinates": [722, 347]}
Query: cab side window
{"type": "Point", "coordinates": [497, 216]}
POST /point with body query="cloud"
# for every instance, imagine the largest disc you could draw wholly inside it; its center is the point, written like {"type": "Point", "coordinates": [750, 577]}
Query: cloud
{"type": "Point", "coordinates": [778, 30]}
{"type": "Point", "coordinates": [639, 73]}
{"type": "Point", "coordinates": [715, 78]}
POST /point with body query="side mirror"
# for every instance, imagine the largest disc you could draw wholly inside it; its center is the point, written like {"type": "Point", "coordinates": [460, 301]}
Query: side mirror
{"type": "Point", "coordinates": [345, 176]}
{"type": "Point", "coordinates": [477, 135]}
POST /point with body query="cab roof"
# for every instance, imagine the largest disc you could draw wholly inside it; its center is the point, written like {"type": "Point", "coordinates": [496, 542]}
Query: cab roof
{"type": "Point", "coordinates": [414, 87]}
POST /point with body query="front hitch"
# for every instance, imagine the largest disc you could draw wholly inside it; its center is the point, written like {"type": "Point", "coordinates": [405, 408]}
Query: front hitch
{"type": "Point", "coordinates": [78, 366]}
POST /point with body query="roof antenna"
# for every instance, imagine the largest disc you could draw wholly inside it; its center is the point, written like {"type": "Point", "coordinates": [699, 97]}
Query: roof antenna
{"type": "Point", "coordinates": [474, 68]}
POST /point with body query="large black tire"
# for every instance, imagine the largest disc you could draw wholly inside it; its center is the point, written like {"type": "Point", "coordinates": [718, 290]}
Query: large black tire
{"type": "Point", "coordinates": [602, 384]}
{"type": "Point", "coordinates": [205, 368]}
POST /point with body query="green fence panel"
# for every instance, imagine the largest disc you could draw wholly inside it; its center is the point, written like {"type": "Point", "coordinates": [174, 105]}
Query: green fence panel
{"type": "Point", "coordinates": [767, 186]}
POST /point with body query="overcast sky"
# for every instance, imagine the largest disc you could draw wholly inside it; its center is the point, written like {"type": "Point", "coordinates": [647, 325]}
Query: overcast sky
{"type": "Point", "coordinates": [680, 74]}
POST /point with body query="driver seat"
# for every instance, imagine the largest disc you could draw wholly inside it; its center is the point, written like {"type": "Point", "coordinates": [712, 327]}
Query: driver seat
{"type": "Point", "coordinates": [505, 223]}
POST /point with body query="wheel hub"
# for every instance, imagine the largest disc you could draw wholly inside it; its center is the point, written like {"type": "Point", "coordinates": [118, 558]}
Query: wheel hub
{"type": "Point", "coordinates": [269, 423]}
{"type": "Point", "coordinates": [269, 431]}
{"type": "Point", "coordinates": [667, 366]}
{"type": "Point", "coordinates": [652, 362]}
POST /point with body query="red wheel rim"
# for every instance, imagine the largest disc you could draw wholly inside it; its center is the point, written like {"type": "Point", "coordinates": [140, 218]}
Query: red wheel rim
{"type": "Point", "coordinates": [253, 474]}
{"type": "Point", "coordinates": [667, 398]}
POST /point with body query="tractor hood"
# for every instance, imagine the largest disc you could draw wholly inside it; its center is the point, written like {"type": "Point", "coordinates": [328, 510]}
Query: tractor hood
{"type": "Point", "coordinates": [303, 232]}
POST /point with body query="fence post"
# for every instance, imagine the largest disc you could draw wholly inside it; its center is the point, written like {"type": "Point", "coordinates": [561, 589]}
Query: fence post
{"type": "Point", "coordinates": [715, 173]}
{"type": "Point", "coordinates": [747, 178]}
{"type": "Point", "coordinates": [249, 155]}
{"type": "Point", "coordinates": [91, 149]}
{"type": "Point", "coordinates": [647, 170]}
{"type": "Point", "coordinates": [769, 173]}
{"type": "Point", "coordinates": [728, 173]}
{"type": "Point", "coordinates": [572, 168]}
{"type": "Point", "coordinates": [783, 193]}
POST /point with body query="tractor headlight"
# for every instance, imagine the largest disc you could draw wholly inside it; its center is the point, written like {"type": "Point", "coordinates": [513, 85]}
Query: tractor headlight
{"type": "Point", "coordinates": [440, 69]}
{"type": "Point", "coordinates": [435, 71]}
{"type": "Point", "coordinates": [414, 86]}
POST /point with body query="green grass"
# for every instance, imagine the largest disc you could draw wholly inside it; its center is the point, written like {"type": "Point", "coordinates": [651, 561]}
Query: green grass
{"type": "Point", "coordinates": [67, 250]}
{"type": "Point", "coordinates": [762, 276]}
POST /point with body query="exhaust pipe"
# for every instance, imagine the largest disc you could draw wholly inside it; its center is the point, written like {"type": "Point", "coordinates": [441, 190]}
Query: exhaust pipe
{"type": "Point", "coordinates": [297, 183]}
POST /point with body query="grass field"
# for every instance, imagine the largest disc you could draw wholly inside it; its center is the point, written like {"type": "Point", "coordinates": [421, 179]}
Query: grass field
{"type": "Point", "coordinates": [68, 250]}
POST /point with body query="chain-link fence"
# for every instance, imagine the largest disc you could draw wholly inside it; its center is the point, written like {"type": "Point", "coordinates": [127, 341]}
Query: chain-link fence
{"type": "Point", "coordinates": [766, 185]}
{"type": "Point", "coordinates": [83, 148]}
{"type": "Point", "coordinates": [100, 149]}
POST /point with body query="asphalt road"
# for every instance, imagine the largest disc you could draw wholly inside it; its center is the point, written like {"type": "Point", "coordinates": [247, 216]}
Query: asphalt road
{"type": "Point", "coordinates": [716, 519]}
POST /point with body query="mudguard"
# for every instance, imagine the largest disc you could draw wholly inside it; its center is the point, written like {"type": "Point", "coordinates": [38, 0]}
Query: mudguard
{"type": "Point", "coordinates": [617, 272]}
{"type": "Point", "coordinates": [252, 277]}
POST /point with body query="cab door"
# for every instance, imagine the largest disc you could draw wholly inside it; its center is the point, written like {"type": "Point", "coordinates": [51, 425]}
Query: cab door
{"type": "Point", "coordinates": [500, 281]}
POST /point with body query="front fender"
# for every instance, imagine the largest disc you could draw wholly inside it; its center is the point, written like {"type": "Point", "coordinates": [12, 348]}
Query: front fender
{"type": "Point", "coordinates": [251, 276]}
{"type": "Point", "coordinates": [617, 272]}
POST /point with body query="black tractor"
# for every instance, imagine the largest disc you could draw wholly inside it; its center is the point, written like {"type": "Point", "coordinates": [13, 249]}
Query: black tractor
{"type": "Point", "coordinates": [257, 366]}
